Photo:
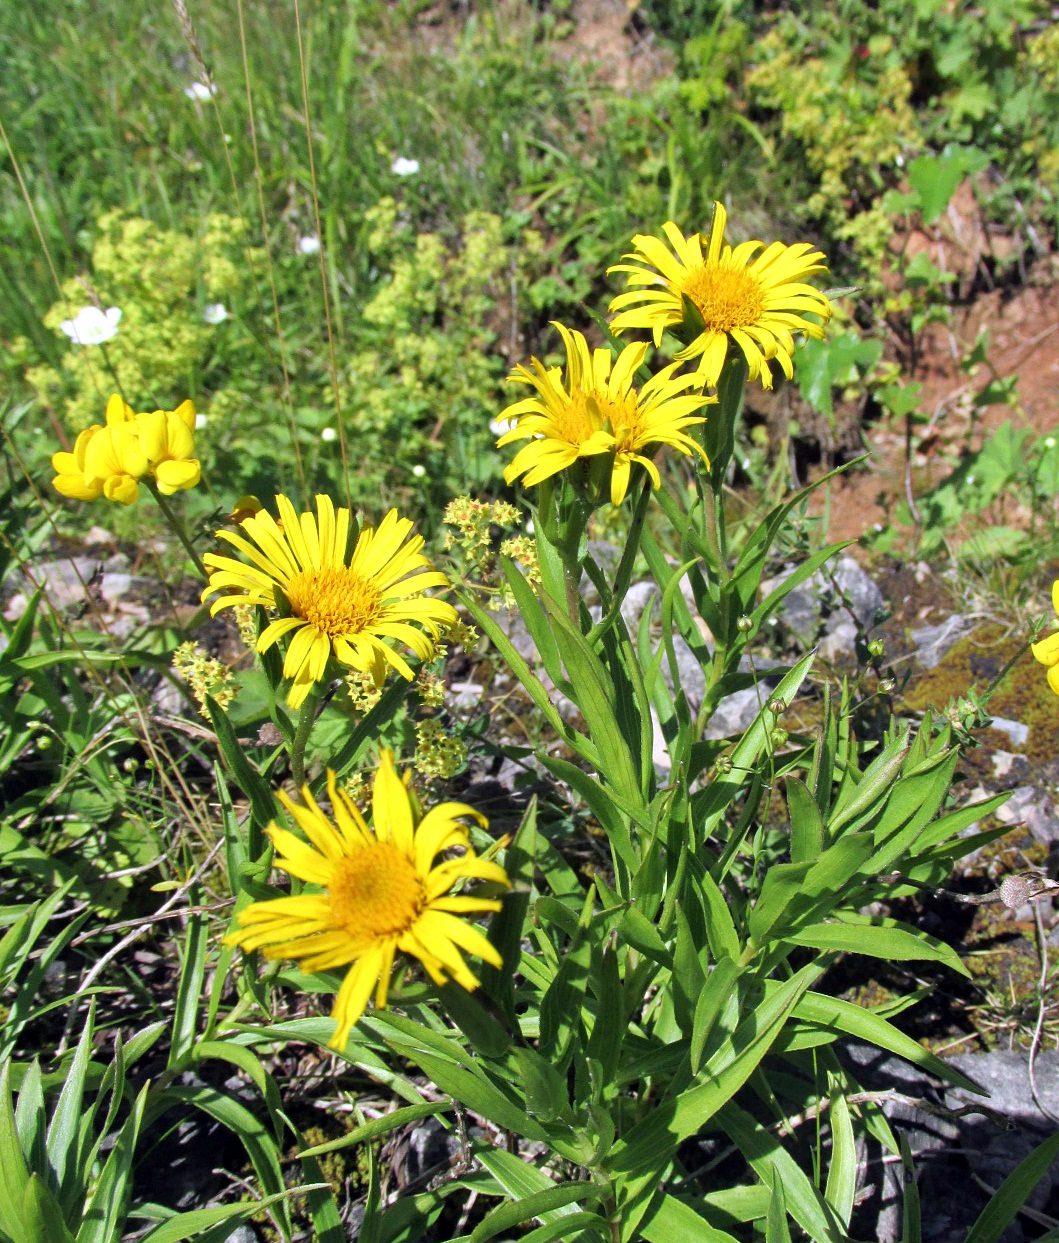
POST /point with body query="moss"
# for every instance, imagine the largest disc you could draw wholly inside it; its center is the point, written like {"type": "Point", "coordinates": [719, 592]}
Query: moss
{"type": "Point", "coordinates": [1023, 694]}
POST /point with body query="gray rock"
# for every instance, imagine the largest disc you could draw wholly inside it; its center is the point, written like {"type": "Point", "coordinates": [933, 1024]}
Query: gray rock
{"type": "Point", "coordinates": [1015, 730]}
{"type": "Point", "coordinates": [735, 713]}
{"type": "Point", "coordinates": [837, 603]}
{"type": "Point", "coordinates": [242, 1234]}
{"type": "Point", "coordinates": [933, 642]}
{"type": "Point", "coordinates": [1004, 1074]}
{"type": "Point", "coordinates": [1031, 806]}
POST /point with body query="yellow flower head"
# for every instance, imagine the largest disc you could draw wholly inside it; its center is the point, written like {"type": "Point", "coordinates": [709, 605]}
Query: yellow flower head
{"type": "Point", "coordinates": [333, 603]}
{"type": "Point", "coordinates": [595, 409]}
{"type": "Point", "coordinates": [168, 439]}
{"type": "Point", "coordinates": [110, 460]}
{"type": "Point", "coordinates": [722, 294]}
{"type": "Point", "coordinates": [71, 478]}
{"type": "Point", "coordinates": [114, 457]}
{"type": "Point", "coordinates": [376, 892]}
{"type": "Point", "coordinates": [1047, 650]}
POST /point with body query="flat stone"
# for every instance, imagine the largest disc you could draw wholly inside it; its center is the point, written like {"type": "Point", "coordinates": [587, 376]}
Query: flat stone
{"type": "Point", "coordinates": [933, 642]}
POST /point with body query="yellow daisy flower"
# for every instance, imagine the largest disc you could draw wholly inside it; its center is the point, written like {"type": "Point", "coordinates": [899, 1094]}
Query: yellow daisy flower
{"type": "Point", "coordinates": [1047, 650]}
{"type": "Point", "coordinates": [756, 303]}
{"type": "Point", "coordinates": [333, 604]}
{"type": "Point", "coordinates": [377, 892]}
{"type": "Point", "coordinates": [595, 409]}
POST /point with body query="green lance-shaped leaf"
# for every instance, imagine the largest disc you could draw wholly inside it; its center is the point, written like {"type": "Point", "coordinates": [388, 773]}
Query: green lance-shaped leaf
{"type": "Point", "coordinates": [911, 1226]}
{"type": "Point", "coordinates": [841, 1183]}
{"type": "Point", "coordinates": [769, 1160]}
{"type": "Point", "coordinates": [506, 1216]}
{"type": "Point", "coordinates": [807, 824]}
{"type": "Point", "coordinates": [671, 1219]}
{"type": "Point", "coordinates": [637, 1162]}
{"type": "Point", "coordinates": [844, 1017]}
{"type": "Point", "coordinates": [64, 1143]}
{"type": "Point", "coordinates": [377, 1127]}
{"type": "Point", "coordinates": [877, 938]}
{"type": "Point", "coordinates": [1013, 1192]}
{"type": "Point", "coordinates": [215, 1224]}
{"type": "Point", "coordinates": [103, 1219]}
{"type": "Point", "coordinates": [247, 778]}
{"type": "Point", "coordinates": [711, 1001]}
{"type": "Point", "coordinates": [41, 1218]}
{"type": "Point", "coordinates": [14, 1174]}
{"type": "Point", "coordinates": [776, 1229]}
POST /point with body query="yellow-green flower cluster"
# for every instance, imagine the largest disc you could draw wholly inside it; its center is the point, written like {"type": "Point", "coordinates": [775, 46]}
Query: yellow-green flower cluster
{"type": "Point", "coordinates": [111, 459]}
{"type": "Point", "coordinates": [205, 676]}
{"type": "Point", "coordinates": [161, 280]}
{"type": "Point", "coordinates": [438, 753]}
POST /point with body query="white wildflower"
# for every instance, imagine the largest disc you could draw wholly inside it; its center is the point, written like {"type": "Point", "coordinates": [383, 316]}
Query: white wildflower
{"type": "Point", "coordinates": [214, 312]}
{"type": "Point", "coordinates": [91, 326]}
{"type": "Point", "coordinates": [329, 434]}
{"type": "Point", "coordinates": [403, 167]}
{"type": "Point", "coordinates": [200, 92]}
{"type": "Point", "coordinates": [308, 245]}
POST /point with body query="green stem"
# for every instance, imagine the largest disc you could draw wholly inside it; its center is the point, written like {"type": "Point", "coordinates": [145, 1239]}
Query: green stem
{"type": "Point", "coordinates": [177, 527]}
{"type": "Point", "coordinates": [306, 717]}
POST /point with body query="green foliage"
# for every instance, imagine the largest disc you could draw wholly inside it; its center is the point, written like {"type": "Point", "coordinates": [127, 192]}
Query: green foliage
{"type": "Point", "coordinates": [160, 280]}
{"type": "Point", "coordinates": [422, 378]}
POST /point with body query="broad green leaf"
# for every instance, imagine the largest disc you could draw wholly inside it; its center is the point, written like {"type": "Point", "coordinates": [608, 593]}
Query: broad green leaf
{"type": "Point", "coordinates": [545, 1088]}
{"type": "Point", "coordinates": [636, 929]}
{"type": "Point", "coordinates": [783, 883]}
{"type": "Point", "coordinates": [1013, 1193]}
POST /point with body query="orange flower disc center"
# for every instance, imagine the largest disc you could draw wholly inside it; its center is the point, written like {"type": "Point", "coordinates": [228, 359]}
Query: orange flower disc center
{"type": "Point", "coordinates": [336, 601]}
{"type": "Point", "coordinates": [726, 298]}
{"type": "Point", "coordinates": [375, 893]}
{"type": "Point", "coordinates": [587, 413]}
